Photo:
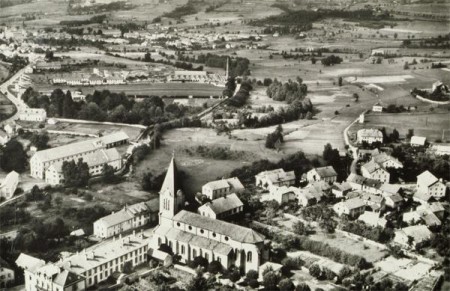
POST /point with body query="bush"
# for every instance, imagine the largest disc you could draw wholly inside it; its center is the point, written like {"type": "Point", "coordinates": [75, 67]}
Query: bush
{"type": "Point", "coordinates": [252, 274]}
{"type": "Point", "coordinates": [302, 287]}
{"type": "Point", "coordinates": [270, 280]}
{"type": "Point", "coordinates": [315, 271]}
{"type": "Point", "coordinates": [215, 267]}
{"type": "Point", "coordinates": [253, 283]}
{"type": "Point", "coordinates": [199, 261]}
{"type": "Point", "coordinates": [292, 263]}
{"type": "Point", "coordinates": [286, 285]}
{"type": "Point", "coordinates": [234, 276]}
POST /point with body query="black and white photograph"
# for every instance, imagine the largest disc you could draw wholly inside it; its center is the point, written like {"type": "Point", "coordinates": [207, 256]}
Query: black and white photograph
{"type": "Point", "coordinates": [229, 145]}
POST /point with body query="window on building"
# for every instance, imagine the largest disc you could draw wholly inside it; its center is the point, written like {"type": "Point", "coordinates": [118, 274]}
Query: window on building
{"type": "Point", "coordinates": [182, 249]}
{"type": "Point", "coordinates": [249, 257]}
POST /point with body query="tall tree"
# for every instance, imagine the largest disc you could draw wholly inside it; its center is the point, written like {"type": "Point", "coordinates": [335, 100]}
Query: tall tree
{"type": "Point", "coordinates": [14, 157]}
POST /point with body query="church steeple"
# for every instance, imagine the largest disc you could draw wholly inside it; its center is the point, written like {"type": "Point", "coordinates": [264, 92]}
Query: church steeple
{"type": "Point", "coordinates": [171, 199]}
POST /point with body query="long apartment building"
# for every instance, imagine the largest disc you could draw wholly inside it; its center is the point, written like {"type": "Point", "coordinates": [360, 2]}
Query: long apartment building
{"type": "Point", "coordinates": [42, 160]}
{"type": "Point", "coordinates": [85, 269]}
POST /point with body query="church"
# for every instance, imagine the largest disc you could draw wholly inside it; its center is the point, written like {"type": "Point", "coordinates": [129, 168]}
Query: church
{"type": "Point", "coordinates": [190, 235]}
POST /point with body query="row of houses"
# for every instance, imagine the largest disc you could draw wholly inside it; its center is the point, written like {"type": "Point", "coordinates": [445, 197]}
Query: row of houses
{"type": "Point", "coordinates": [89, 80]}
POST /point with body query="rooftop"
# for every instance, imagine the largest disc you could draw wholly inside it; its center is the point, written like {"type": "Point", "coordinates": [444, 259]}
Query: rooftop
{"type": "Point", "coordinates": [223, 204]}
{"type": "Point", "coordinates": [427, 179]}
{"type": "Point", "coordinates": [325, 172]}
{"type": "Point", "coordinates": [234, 231]}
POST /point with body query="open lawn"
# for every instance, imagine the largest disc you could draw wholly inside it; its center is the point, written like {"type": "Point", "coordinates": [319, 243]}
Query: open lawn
{"type": "Point", "coordinates": [201, 170]}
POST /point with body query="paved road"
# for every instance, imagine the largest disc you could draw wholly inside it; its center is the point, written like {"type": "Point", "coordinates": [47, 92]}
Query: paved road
{"type": "Point", "coordinates": [16, 101]}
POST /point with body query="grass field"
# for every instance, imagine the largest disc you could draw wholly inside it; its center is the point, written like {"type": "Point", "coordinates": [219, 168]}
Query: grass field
{"type": "Point", "coordinates": [428, 124]}
{"type": "Point", "coordinates": [96, 129]}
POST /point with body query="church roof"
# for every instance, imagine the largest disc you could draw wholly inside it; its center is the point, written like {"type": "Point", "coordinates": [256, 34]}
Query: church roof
{"type": "Point", "coordinates": [170, 181]}
{"type": "Point", "coordinates": [236, 232]}
{"type": "Point", "coordinates": [195, 240]}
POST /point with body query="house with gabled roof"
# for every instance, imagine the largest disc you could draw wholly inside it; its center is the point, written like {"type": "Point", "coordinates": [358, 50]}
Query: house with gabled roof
{"type": "Point", "coordinates": [369, 135]}
{"type": "Point", "coordinates": [373, 219]}
{"type": "Point", "coordinates": [220, 188]}
{"type": "Point", "coordinates": [222, 207]}
{"type": "Point", "coordinates": [372, 170]}
{"type": "Point", "coordinates": [327, 174]}
{"type": "Point", "coordinates": [413, 236]}
{"type": "Point", "coordinates": [429, 184]}
{"type": "Point", "coordinates": [9, 185]}
{"type": "Point", "coordinates": [387, 161]}
{"type": "Point", "coordinates": [352, 207]}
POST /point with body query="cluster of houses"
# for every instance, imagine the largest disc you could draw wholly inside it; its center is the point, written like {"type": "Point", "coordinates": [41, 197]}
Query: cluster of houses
{"type": "Point", "coordinates": [196, 77]}
{"type": "Point", "coordinates": [95, 79]}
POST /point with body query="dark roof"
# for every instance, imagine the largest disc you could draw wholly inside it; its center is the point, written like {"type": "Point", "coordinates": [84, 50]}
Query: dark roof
{"type": "Point", "coordinates": [325, 172]}
{"type": "Point", "coordinates": [234, 231]}
{"type": "Point", "coordinates": [66, 278]}
{"type": "Point", "coordinates": [224, 204]}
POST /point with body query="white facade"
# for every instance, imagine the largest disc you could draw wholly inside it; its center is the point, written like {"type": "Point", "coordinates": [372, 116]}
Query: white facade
{"type": "Point", "coordinates": [9, 185]}
{"type": "Point", "coordinates": [276, 177]}
{"type": "Point", "coordinates": [369, 135]}
{"type": "Point", "coordinates": [33, 114]}
{"type": "Point", "coordinates": [427, 183]}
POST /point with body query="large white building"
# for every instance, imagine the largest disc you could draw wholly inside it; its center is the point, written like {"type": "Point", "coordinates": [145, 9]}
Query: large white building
{"type": "Point", "coordinates": [33, 114]}
{"type": "Point", "coordinates": [95, 160]}
{"type": "Point", "coordinates": [191, 235]}
{"type": "Point", "coordinates": [42, 160]}
{"type": "Point", "coordinates": [129, 217]}
{"type": "Point", "coordinates": [85, 269]}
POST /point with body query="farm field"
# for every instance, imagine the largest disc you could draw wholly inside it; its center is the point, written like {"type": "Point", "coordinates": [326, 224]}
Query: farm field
{"type": "Point", "coordinates": [429, 124]}
{"type": "Point", "coordinates": [157, 89]}
{"type": "Point", "coordinates": [201, 170]}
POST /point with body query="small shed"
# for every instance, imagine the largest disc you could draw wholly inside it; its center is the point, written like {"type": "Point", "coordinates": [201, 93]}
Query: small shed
{"type": "Point", "coordinates": [161, 257]}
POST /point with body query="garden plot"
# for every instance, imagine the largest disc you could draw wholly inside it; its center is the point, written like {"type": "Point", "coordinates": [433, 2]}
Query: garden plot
{"type": "Point", "coordinates": [380, 79]}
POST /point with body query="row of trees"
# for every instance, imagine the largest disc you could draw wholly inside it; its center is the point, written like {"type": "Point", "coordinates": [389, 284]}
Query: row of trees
{"type": "Point", "coordinates": [289, 91]}
{"type": "Point", "coordinates": [105, 106]}
{"type": "Point", "coordinates": [238, 66]}
{"type": "Point", "coordinates": [297, 110]}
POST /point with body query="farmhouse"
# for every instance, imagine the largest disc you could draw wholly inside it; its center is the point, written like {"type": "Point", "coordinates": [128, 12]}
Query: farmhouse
{"type": "Point", "coordinates": [364, 184]}
{"type": "Point", "coordinates": [418, 141]}
{"type": "Point", "coordinates": [327, 174]}
{"type": "Point", "coordinates": [393, 201]}
{"type": "Point", "coordinates": [440, 149]}
{"type": "Point", "coordinates": [222, 207]}
{"type": "Point", "coordinates": [340, 189]}
{"type": "Point", "coordinates": [282, 194]}
{"type": "Point", "coordinates": [377, 107]}
{"type": "Point", "coordinates": [191, 235]}
{"type": "Point", "coordinates": [369, 135]}
{"type": "Point", "coordinates": [352, 207]}
{"type": "Point", "coordinates": [95, 160]}
{"type": "Point", "coordinates": [276, 177]}
{"type": "Point", "coordinates": [427, 183]}
{"type": "Point", "coordinates": [9, 185]}
{"type": "Point", "coordinates": [42, 160]}
{"type": "Point", "coordinates": [129, 217]}
{"type": "Point", "coordinates": [220, 188]}
{"type": "Point", "coordinates": [413, 236]}
{"type": "Point", "coordinates": [373, 219]}
{"type": "Point", "coordinates": [372, 170]}
{"type": "Point", "coordinates": [387, 161]}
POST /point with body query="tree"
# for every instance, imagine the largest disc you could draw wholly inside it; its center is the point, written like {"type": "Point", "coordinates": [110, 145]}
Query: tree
{"type": "Point", "coordinates": [340, 81]}
{"type": "Point", "coordinates": [75, 174]}
{"type": "Point", "coordinates": [40, 140]}
{"type": "Point", "coordinates": [108, 175]}
{"type": "Point", "coordinates": [302, 287]}
{"type": "Point", "coordinates": [356, 97]}
{"type": "Point", "coordinates": [315, 271]}
{"type": "Point", "coordinates": [270, 280]}
{"type": "Point", "coordinates": [406, 66]}
{"type": "Point", "coordinates": [410, 133]}
{"type": "Point", "coordinates": [14, 157]}
{"type": "Point", "coordinates": [286, 285]}
{"type": "Point", "coordinates": [251, 274]}
{"type": "Point", "coordinates": [274, 138]}
{"type": "Point", "coordinates": [35, 194]}
{"type": "Point", "coordinates": [199, 283]}
{"type": "Point", "coordinates": [215, 267]}
{"type": "Point", "coordinates": [299, 228]}
{"type": "Point", "coordinates": [69, 110]}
